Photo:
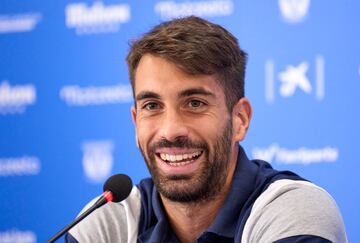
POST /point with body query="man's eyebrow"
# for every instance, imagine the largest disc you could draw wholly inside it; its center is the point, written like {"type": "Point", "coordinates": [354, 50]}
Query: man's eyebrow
{"type": "Point", "coordinates": [146, 95]}
{"type": "Point", "coordinates": [195, 91]}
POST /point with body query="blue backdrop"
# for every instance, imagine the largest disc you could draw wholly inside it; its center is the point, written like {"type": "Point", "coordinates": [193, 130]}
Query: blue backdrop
{"type": "Point", "coordinates": [65, 98]}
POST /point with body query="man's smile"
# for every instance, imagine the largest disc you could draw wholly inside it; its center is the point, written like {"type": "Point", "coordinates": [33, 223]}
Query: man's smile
{"type": "Point", "coordinates": [179, 159]}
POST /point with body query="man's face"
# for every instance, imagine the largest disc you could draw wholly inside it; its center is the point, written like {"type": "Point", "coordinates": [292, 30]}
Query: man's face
{"type": "Point", "coordinates": [183, 129]}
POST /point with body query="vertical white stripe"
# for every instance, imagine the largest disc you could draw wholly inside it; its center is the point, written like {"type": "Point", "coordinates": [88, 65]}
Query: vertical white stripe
{"type": "Point", "coordinates": [320, 79]}
{"type": "Point", "coordinates": [269, 81]}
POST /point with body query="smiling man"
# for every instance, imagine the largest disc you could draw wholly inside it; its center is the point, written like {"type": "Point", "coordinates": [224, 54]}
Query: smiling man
{"type": "Point", "coordinates": [190, 114]}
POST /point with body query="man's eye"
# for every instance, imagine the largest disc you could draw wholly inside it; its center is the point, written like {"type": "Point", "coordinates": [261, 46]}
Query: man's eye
{"type": "Point", "coordinates": [151, 106]}
{"type": "Point", "coordinates": [196, 103]}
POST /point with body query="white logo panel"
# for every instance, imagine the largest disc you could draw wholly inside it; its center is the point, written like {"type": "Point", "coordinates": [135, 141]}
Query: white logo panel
{"type": "Point", "coordinates": [170, 9]}
{"type": "Point", "coordinates": [74, 95]}
{"type": "Point", "coordinates": [294, 11]}
{"type": "Point", "coordinates": [19, 166]}
{"type": "Point", "coordinates": [97, 18]}
{"type": "Point", "coordinates": [302, 155]}
{"type": "Point", "coordinates": [97, 159]}
{"type": "Point", "coordinates": [15, 99]}
{"type": "Point", "coordinates": [17, 236]}
{"type": "Point", "coordinates": [19, 22]}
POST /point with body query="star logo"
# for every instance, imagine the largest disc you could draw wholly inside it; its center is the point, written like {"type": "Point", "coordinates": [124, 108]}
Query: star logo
{"type": "Point", "coordinates": [294, 77]}
{"type": "Point", "coordinates": [307, 77]}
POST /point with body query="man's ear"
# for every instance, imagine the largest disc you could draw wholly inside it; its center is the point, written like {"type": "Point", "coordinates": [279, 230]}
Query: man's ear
{"type": "Point", "coordinates": [133, 117]}
{"type": "Point", "coordinates": [241, 116]}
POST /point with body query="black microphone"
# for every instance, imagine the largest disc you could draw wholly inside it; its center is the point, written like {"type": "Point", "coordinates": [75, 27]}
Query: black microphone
{"type": "Point", "coordinates": [116, 189]}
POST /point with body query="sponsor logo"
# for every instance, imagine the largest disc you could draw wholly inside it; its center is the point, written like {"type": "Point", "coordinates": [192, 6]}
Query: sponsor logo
{"type": "Point", "coordinates": [295, 77]}
{"type": "Point", "coordinates": [294, 11]}
{"type": "Point", "coordinates": [170, 9]}
{"type": "Point", "coordinates": [15, 99]}
{"type": "Point", "coordinates": [15, 235]}
{"type": "Point", "coordinates": [19, 22]}
{"type": "Point", "coordinates": [97, 18]}
{"type": "Point", "coordinates": [74, 95]}
{"type": "Point", "coordinates": [19, 166]}
{"type": "Point", "coordinates": [97, 159]}
{"type": "Point", "coordinates": [303, 155]}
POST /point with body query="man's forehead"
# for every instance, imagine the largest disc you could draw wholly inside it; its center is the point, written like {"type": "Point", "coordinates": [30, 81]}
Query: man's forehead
{"type": "Point", "coordinates": [156, 74]}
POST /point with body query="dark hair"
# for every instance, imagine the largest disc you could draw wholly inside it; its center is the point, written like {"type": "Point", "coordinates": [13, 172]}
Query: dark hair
{"type": "Point", "coordinates": [196, 46]}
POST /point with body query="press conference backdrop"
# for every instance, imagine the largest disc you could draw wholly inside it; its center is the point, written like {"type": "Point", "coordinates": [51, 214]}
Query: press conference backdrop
{"type": "Point", "coordinates": [65, 98]}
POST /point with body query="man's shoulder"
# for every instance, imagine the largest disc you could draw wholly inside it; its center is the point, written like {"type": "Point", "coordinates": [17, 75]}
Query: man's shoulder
{"type": "Point", "coordinates": [113, 222]}
{"type": "Point", "coordinates": [290, 208]}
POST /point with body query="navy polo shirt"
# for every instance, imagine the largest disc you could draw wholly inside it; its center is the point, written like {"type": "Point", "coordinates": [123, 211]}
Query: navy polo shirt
{"type": "Point", "coordinates": [250, 179]}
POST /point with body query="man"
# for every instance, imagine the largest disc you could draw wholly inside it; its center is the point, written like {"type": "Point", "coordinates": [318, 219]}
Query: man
{"type": "Point", "coordinates": [190, 114]}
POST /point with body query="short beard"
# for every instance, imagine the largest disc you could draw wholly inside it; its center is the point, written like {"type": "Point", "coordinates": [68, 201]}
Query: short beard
{"type": "Point", "coordinates": [204, 185]}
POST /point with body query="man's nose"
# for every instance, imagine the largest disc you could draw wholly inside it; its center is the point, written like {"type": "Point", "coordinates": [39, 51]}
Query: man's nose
{"type": "Point", "coordinates": [173, 126]}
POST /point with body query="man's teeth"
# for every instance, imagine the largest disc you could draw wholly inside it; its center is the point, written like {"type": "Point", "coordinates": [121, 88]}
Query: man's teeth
{"type": "Point", "coordinates": [178, 157]}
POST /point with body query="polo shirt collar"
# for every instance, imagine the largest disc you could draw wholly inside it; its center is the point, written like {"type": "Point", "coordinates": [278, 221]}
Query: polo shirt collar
{"type": "Point", "coordinates": [242, 186]}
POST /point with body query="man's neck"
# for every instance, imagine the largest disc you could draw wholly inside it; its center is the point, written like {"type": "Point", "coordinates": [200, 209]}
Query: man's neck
{"type": "Point", "coordinates": [190, 220]}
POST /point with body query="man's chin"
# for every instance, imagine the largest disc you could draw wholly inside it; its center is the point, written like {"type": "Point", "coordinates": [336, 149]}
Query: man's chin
{"type": "Point", "coordinates": [175, 183]}
{"type": "Point", "coordinates": [181, 195]}
{"type": "Point", "coordinates": [180, 189]}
